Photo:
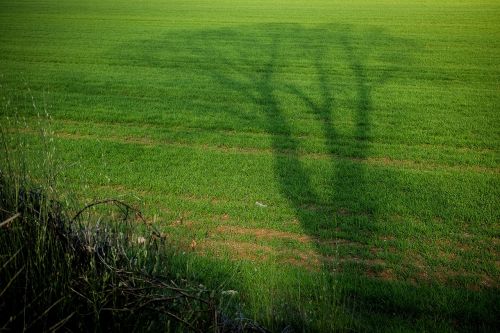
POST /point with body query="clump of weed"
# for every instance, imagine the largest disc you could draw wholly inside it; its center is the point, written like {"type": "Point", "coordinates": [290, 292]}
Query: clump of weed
{"type": "Point", "coordinates": [102, 267]}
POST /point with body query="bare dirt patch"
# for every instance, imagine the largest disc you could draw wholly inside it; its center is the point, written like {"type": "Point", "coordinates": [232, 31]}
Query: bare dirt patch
{"type": "Point", "coordinates": [261, 233]}
{"type": "Point", "coordinates": [257, 252]}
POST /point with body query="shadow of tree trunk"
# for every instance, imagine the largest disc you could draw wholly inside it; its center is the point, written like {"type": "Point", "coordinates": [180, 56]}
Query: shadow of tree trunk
{"type": "Point", "coordinates": [256, 82]}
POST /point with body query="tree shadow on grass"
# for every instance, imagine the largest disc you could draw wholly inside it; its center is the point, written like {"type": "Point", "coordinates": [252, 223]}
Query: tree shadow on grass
{"type": "Point", "coordinates": [345, 191]}
{"type": "Point", "coordinates": [326, 75]}
{"type": "Point", "coordinates": [255, 72]}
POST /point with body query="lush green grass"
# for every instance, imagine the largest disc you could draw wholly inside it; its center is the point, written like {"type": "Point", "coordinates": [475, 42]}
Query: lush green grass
{"type": "Point", "coordinates": [369, 129]}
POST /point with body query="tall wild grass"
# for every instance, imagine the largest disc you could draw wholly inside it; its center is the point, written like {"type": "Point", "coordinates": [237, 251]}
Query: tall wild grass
{"type": "Point", "coordinates": [98, 267]}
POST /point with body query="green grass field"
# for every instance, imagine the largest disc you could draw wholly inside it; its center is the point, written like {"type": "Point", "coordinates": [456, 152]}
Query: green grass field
{"type": "Point", "coordinates": [336, 162]}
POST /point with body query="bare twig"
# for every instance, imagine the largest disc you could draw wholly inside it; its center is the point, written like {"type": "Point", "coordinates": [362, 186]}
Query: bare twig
{"type": "Point", "coordinates": [116, 202]}
{"type": "Point", "coordinates": [23, 310]}
{"type": "Point", "coordinates": [170, 314]}
{"type": "Point", "coordinates": [12, 280]}
{"type": "Point", "coordinates": [46, 311]}
{"type": "Point", "coordinates": [61, 323]}
{"type": "Point", "coordinates": [11, 258]}
{"type": "Point", "coordinates": [9, 220]}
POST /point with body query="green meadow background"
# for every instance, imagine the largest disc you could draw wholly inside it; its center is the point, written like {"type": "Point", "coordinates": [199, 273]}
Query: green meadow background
{"type": "Point", "coordinates": [335, 162]}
